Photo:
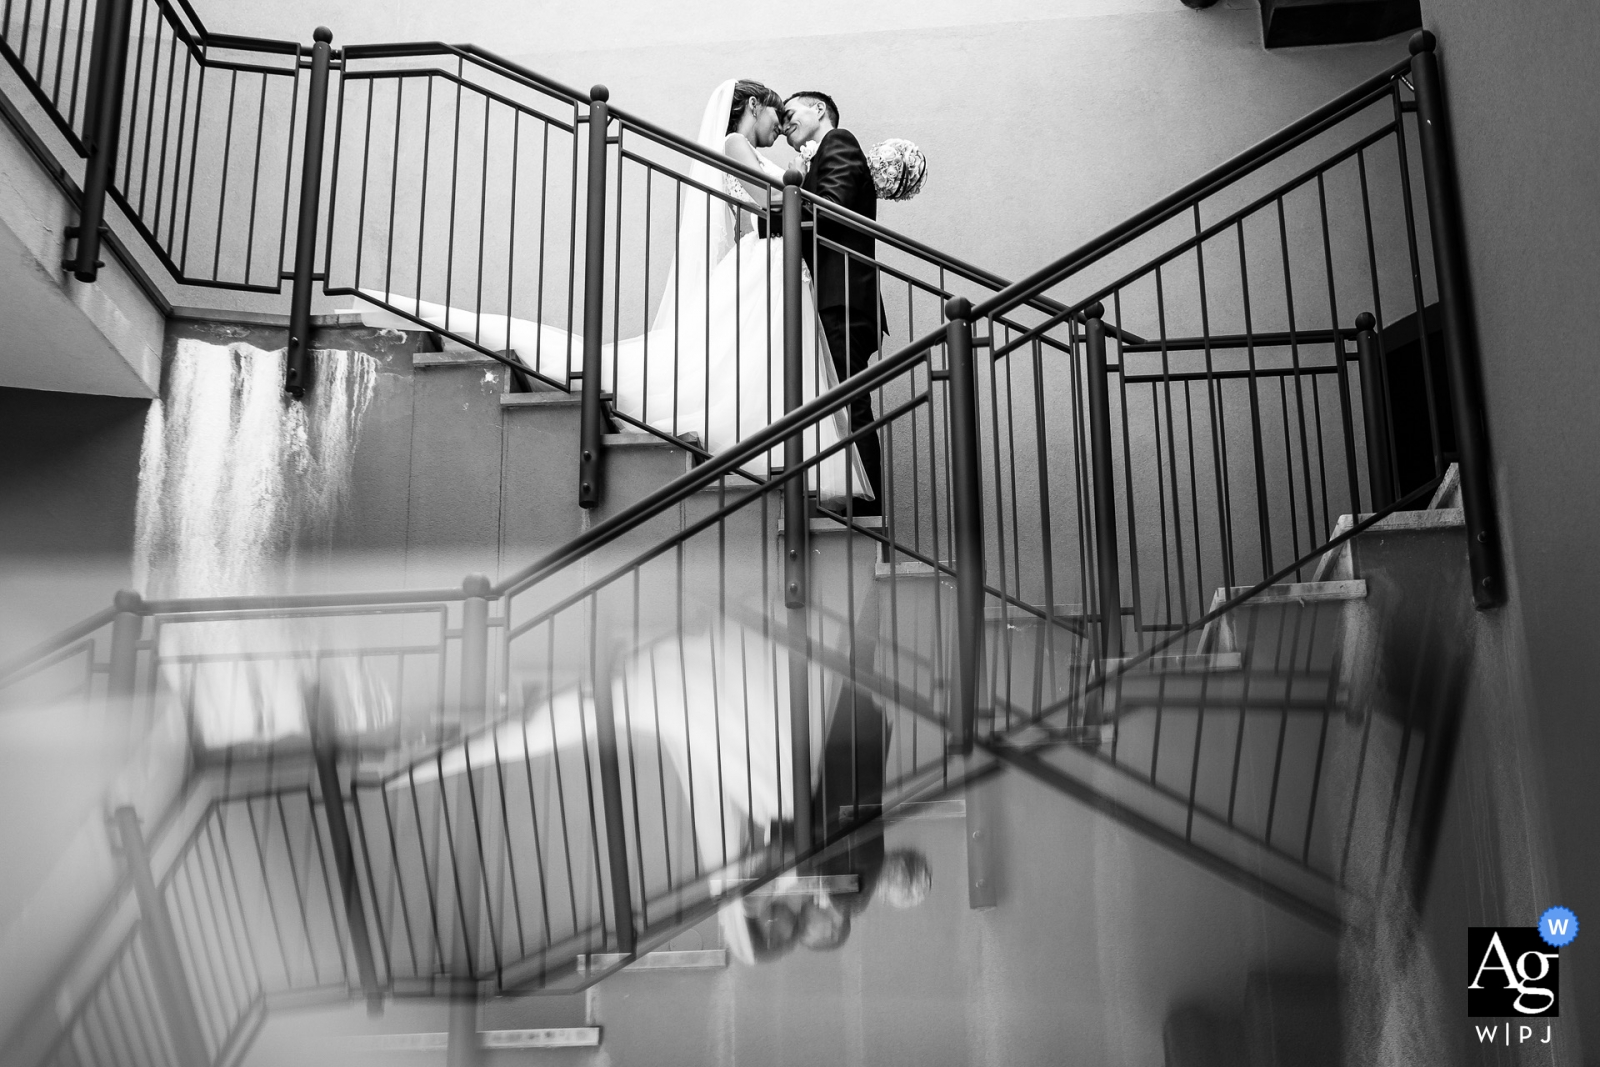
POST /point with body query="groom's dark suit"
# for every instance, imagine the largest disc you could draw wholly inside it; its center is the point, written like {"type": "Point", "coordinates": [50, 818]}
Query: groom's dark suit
{"type": "Point", "coordinates": [847, 285]}
{"type": "Point", "coordinates": [854, 759]}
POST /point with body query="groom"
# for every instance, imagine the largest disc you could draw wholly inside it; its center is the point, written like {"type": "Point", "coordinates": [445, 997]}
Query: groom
{"type": "Point", "coordinates": [847, 283]}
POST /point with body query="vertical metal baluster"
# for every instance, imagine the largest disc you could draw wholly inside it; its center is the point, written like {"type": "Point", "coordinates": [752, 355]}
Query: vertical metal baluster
{"type": "Point", "coordinates": [77, 64]}
{"type": "Point", "coordinates": [150, 108]}
{"type": "Point", "coordinates": [455, 175]}
{"type": "Point", "coordinates": [1219, 431]}
{"type": "Point", "coordinates": [1288, 471]}
{"type": "Point", "coordinates": [44, 38]}
{"type": "Point", "coordinates": [633, 759]}
{"type": "Point", "coordinates": [166, 132]}
{"type": "Point", "coordinates": [483, 218]}
{"type": "Point", "coordinates": [138, 79]}
{"type": "Point", "coordinates": [1105, 506]}
{"type": "Point", "coordinates": [325, 750]}
{"type": "Point", "coordinates": [796, 582]}
{"type": "Point", "coordinates": [1299, 392]}
{"type": "Point", "coordinates": [222, 194]}
{"type": "Point", "coordinates": [1172, 453]}
{"type": "Point", "coordinates": [366, 155]}
{"type": "Point", "coordinates": [1374, 410]}
{"type": "Point", "coordinates": [161, 946]}
{"type": "Point", "coordinates": [255, 174]}
{"type": "Point", "coordinates": [1046, 528]}
{"type": "Point", "coordinates": [1263, 516]}
{"type": "Point", "coordinates": [394, 192]}
{"type": "Point", "coordinates": [601, 660]}
{"type": "Point", "coordinates": [1341, 360]}
{"type": "Point", "coordinates": [538, 841]}
{"type": "Point", "coordinates": [61, 54]}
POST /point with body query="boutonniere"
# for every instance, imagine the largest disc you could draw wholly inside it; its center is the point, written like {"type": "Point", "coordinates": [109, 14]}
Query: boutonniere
{"type": "Point", "coordinates": [808, 150]}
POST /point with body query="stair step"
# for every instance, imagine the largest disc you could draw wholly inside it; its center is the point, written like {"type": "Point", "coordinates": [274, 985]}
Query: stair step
{"type": "Point", "coordinates": [920, 810]}
{"type": "Point", "coordinates": [540, 398]}
{"type": "Point", "coordinates": [458, 357]}
{"type": "Point", "coordinates": [1187, 663]}
{"type": "Point", "coordinates": [834, 526]}
{"type": "Point", "coordinates": [704, 959]}
{"type": "Point", "coordinates": [553, 1037]}
{"type": "Point", "coordinates": [905, 569]}
{"type": "Point", "coordinates": [1294, 593]}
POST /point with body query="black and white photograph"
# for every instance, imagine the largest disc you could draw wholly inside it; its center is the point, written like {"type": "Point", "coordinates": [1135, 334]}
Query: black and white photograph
{"type": "Point", "coordinates": [639, 533]}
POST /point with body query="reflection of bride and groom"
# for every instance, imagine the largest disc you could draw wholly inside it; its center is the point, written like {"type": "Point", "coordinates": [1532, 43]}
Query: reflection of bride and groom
{"type": "Point", "coordinates": [712, 361]}
{"type": "Point", "coordinates": [713, 706]}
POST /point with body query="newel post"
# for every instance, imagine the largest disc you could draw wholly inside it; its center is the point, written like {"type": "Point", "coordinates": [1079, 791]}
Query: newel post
{"type": "Point", "coordinates": [108, 70]}
{"type": "Point", "coordinates": [466, 841]}
{"type": "Point", "coordinates": [297, 372]}
{"type": "Point", "coordinates": [591, 417]}
{"type": "Point", "coordinates": [127, 627]}
{"type": "Point", "coordinates": [966, 494]}
{"type": "Point", "coordinates": [1105, 495]}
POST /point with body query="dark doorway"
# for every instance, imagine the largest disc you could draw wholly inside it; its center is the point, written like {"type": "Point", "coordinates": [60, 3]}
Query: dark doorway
{"type": "Point", "coordinates": [1407, 379]}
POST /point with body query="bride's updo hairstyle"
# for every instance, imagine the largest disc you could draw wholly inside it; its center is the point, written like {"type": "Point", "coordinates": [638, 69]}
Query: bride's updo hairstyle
{"type": "Point", "coordinates": [744, 91]}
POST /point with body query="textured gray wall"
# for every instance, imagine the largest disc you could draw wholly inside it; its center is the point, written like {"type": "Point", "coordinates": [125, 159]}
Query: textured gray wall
{"type": "Point", "coordinates": [1524, 88]}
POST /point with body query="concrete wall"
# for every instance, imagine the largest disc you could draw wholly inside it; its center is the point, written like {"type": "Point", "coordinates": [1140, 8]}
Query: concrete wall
{"type": "Point", "coordinates": [68, 491]}
{"type": "Point", "coordinates": [63, 334]}
{"type": "Point", "coordinates": [1523, 87]}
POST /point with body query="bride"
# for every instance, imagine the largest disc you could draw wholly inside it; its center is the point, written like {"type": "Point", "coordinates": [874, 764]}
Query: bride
{"type": "Point", "coordinates": [711, 363]}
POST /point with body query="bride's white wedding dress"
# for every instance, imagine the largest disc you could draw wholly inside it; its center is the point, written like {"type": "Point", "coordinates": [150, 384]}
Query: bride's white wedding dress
{"type": "Point", "coordinates": [711, 363]}
{"type": "Point", "coordinates": [715, 704]}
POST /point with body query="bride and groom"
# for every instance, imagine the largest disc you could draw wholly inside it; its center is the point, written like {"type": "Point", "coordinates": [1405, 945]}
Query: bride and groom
{"type": "Point", "coordinates": [711, 362]}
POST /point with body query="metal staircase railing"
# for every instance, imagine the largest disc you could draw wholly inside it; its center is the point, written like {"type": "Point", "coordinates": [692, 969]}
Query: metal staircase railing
{"type": "Point", "coordinates": [1025, 486]}
{"type": "Point", "coordinates": [441, 183]}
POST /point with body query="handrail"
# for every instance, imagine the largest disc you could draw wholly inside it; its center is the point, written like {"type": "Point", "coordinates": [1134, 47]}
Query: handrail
{"type": "Point", "coordinates": [510, 68]}
{"type": "Point", "coordinates": [1263, 151]}
{"type": "Point", "coordinates": [967, 270]}
{"type": "Point", "coordinates": [76, 632]}
{"type": "Point", "coordinates": [674, 140]}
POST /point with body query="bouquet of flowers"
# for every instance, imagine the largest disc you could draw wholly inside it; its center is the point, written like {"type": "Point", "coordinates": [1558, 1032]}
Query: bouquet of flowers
{"type": "Point", "coordinates": [898, 168]}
